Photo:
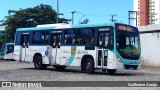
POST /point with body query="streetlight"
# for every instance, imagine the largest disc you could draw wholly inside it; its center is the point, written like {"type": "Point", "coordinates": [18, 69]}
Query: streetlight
{"type": "Point", "coordinates": [57, 10]}
{"type": "Point", "coordinates": [73, 16]}
{"type": "Point", "coordinates": [81, 18]}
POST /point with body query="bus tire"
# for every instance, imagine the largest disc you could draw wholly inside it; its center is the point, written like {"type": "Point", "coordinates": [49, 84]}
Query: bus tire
{"type": "Point", "coordinates": [89, 66]}
{"type": "Point", "coordinates": [111, 71]}
{"type": "Point", "coordinates": [83, 67]}
{"type": "Point", "coordinates": [60, 68]}
{"type": "Point", "coordinates": [38, 63]}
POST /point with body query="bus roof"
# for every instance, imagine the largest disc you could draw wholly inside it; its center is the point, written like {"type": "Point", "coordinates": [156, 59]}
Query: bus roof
{"type": "Point", "coordinates": [62, 26]}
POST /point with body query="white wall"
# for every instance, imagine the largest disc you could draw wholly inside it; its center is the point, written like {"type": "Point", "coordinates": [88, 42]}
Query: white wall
{"type": "Point", "coordinates": [150, 49]}
{"type": "Point", "coordinates": [150, 46]}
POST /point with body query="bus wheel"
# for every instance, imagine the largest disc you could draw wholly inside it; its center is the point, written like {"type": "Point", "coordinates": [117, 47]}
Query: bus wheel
{"type": "Point", "coordinates": [89, 66]}
{"type": "Point", "coordinates": [83, 67]}
{"type": "Point", "coordinates": [60, 68]}
{"type": "Point", "coordinates": [38, 63]}
{"type": "Point", "coordinates": [111, 71]}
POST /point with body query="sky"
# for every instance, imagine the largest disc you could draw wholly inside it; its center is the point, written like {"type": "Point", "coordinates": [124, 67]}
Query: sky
{"type": "Point", "coordinates": [97, 11]}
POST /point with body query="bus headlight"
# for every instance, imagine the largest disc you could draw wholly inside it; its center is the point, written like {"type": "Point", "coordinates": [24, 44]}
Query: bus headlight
{"type": "Point", "coordinates": [118, 59]}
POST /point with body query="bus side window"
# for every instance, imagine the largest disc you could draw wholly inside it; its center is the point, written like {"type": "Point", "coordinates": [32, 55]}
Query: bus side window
{"type": "Point", "coordinates": [100, 40]}
{"type": "Point", "coordinates": [90, 41]}
{"type": "Point", "coordinates": [69, 37]}
{"type": "Point", "coordinates": [73, 41]}
{"type": "Point", "coordinates": [46, 37]}
{"type": "Point", "coordinates": [106, 42]}
{"type": "Point", "coordinates": [24, 41]}
{"type": "Point", "coordinates": [85, 36]}
{"type": "Point", "coordinates": [38, 37]}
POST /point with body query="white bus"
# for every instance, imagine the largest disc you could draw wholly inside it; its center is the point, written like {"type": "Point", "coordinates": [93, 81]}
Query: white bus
{"type": "Point", "coordinates": [102, 46]}
{"type": "Point", "coordinates": [6, 51]}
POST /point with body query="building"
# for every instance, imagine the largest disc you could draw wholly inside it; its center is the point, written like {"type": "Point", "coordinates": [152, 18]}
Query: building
{"type": "Point", "coordinates": [148, 12]}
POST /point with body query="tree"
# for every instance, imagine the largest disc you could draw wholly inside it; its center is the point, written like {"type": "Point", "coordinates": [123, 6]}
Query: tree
{"type": "Point", "coordinates": [84, 21]}
{"type": "Point", "coordinates": [30, 17]}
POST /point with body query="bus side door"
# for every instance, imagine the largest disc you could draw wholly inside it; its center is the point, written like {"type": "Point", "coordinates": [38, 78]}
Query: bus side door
{"type": "Point", "coordinates": [25, 38]}
{"type": "Point", "coordinates": [55, 45]}
{"type": "Point", "coordinates": [103, 37]}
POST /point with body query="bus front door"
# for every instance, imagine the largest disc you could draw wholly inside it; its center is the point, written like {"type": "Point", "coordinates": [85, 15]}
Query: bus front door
{"type": "Point", "coordinates": [102, 49]}
{"type": "Point", "coordinates": [24, 47]}
{"type": "Point", "coordinates": [55, 45]}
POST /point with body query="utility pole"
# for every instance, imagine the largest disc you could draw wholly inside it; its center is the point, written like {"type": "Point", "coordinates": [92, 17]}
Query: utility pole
{"type": "Point", "coordinates": [113, 20]}
{"type": "Point", "coordinates": [57, 11]}
{"type": "Point", "coordinates": [129, 16]}
{"type": "Point", "coordinates": [73, 16]}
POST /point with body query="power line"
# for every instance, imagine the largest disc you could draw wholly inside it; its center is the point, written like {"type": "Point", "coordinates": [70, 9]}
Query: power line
{"type": "Point", "coordinates": [97, 15]}
{"type": "Point", "coordinates": [124, 18]}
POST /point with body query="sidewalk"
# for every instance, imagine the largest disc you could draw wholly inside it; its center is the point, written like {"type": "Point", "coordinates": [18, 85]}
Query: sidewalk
{"type": "Point", "coordinates": [150, 68]}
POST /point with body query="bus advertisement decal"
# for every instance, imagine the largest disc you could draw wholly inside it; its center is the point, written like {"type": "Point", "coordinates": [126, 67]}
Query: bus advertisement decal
{"type": "Point", "coordinates": [73, 52]}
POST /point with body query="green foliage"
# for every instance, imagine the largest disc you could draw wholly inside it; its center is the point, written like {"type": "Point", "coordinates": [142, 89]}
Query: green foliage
{"type": "Point", "coordinates": [30, 17]}
{"type": "Point", "coordinates": [84, 21]}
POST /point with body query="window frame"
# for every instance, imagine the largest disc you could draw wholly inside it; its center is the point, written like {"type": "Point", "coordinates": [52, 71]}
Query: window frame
{"type": "Point", "coordinates": [111, 34]}
{"type": "Point", "coordinates": [76, 33]}
{"type": "Point", "coordinates": [19, 38]}
{"type": "Point", "coordinates": [45, 33]}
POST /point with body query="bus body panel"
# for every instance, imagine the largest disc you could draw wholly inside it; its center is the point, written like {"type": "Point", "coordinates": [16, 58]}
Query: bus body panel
{"type": "Point", "coordinates": [69, 56]}
{"type": "Point", "coordinates": [42, 50]}
{"type": "Point", "coordinates": [118, 64]}
{"type": "Point", "coordinates": [110, 62]}
{"type": "Point", "coordinates": [22, 57]}
{"type": "Point", "coordinates": [17, 52]}
{"type": "Point", "coordinates": [72, 55]}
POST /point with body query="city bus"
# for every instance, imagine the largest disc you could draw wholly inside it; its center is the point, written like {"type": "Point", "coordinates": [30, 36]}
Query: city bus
{"type": "Point", "coordinates": [89, 46]}
{"type": "Point", "coordinates": [6, 51]}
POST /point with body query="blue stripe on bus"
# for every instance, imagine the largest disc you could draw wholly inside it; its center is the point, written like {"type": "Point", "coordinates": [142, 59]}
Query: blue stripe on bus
{"type": "Point", "coordinates": [70, 59]}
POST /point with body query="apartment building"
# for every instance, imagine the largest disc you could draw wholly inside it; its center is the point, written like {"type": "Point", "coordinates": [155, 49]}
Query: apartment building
{"type": "Point", "coordinates": [148, 12]}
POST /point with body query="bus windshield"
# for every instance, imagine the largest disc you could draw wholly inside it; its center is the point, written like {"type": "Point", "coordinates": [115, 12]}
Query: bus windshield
{"type": "Point", "coordinates": [128, 42]}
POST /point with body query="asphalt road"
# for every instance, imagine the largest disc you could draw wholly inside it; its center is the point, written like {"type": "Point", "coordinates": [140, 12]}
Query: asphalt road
{"type": "Point", "coordinates": [15, 71]}
{"type": "Point", "coordinates": [12, 70]}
